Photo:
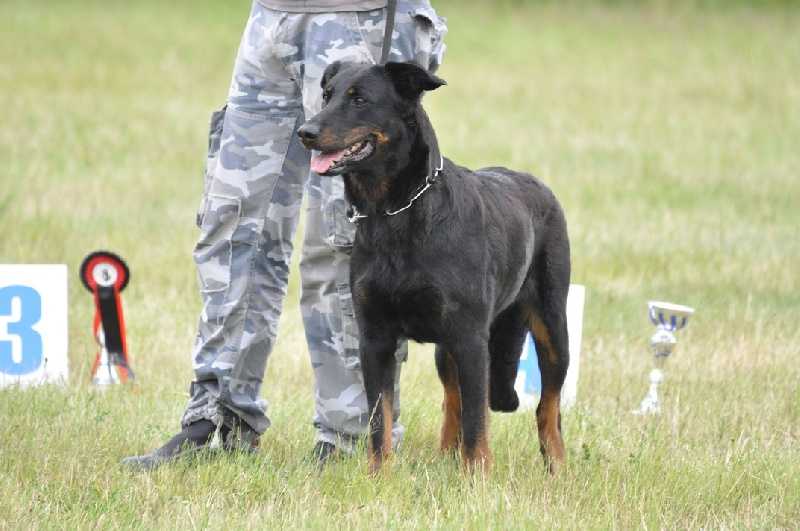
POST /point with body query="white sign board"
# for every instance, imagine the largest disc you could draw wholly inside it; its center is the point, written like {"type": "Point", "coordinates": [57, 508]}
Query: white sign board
{"type": "Point", "coordinates": [33, 324]}
{"type": "Point", "coordinates": [529, 380]}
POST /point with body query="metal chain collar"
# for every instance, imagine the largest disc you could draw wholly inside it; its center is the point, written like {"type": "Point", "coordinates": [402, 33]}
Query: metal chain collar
{"type": "Point", "coordinates": [354, 216]}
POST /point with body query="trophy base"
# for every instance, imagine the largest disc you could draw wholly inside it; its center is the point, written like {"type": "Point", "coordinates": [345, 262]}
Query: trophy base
{"type": "Point", "coordinates": [651, 405]}
{"type": "Point", "coordinates": [648, 407]}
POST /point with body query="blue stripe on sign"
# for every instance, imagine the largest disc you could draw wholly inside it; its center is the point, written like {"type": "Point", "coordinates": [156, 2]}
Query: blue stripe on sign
{"type": "Point", "coordinates": [529, 367]}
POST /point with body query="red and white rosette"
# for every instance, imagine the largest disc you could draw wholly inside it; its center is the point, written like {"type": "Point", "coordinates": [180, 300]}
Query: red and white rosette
{"type": "Point", "coordinates": [105, 275]}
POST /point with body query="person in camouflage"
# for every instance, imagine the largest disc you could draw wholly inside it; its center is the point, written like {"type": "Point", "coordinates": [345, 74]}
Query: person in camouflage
{"type": "Point", "coordinates": [256, 173]}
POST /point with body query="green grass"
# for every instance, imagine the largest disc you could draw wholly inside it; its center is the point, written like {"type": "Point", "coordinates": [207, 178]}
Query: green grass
{"type": "Point", "coordinates": [670, 133]}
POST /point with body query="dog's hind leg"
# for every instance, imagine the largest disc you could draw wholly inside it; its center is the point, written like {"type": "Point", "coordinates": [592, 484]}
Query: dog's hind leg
{"type": "Point", "coordinates": [505, 347]}
{"type": "Point", "coordinates": [548, 324]}
{"type": "Point", "coordinates": [378, 364]}
{"type": "Point", "coordinates": [550, 336]}
{"type": "Point", "coordinates": [451, 405]}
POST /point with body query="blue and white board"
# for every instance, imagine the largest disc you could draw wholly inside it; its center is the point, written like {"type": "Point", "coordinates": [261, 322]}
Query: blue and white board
{"type": "Point", "coordinates": [529, 380]}
{"type": "Point", "coordinates": [33, 324]}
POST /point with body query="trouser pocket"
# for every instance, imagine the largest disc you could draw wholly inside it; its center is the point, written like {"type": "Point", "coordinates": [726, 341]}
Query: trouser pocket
{"type": "Point", "coordinates": [214, 142]}
{"type": "Point", "coordinates": [213, 252]}
{"type": "Point", "coordinates": [349, 329]}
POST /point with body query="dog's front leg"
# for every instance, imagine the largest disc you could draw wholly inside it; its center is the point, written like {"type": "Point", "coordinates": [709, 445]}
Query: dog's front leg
{"type": "Point", "coordinates": [451, 405]}
{"type": "Point", "coordinates": [472, 359]}
{"type": "Point", "coordinates": [378, 363]}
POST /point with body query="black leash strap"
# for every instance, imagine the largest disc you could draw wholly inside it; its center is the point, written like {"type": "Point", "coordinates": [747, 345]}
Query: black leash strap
{"type": "Point", "coordinates": [389, 29]}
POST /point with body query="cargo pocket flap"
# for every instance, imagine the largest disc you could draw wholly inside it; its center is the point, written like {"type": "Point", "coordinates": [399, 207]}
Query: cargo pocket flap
{"type": "Point", "coordinates": [213, 251]}
{"type": "Point", "coordinates": [349, 327]}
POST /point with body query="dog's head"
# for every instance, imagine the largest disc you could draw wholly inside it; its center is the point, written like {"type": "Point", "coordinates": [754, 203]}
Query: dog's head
{"type": "Point", "coordinates": [367, 125]}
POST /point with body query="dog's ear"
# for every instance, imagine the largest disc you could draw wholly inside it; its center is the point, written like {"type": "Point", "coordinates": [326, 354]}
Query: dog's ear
{"type": "Point", "coordinates": [330, 71]}
{"type": "Point", "coordinates": [410, 79]}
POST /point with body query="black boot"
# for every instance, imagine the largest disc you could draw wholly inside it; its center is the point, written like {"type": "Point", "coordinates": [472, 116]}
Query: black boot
{"type": "Point", "coordinates": [236, 435]}
{"type": "Point", "coordinates": [324, 452]}
{"type": "Point", "coordinates": [194, 437]}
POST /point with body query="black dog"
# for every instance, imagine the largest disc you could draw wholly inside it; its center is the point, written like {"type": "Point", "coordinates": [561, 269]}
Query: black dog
{"type": "Point", "coordinates": [469, 260]}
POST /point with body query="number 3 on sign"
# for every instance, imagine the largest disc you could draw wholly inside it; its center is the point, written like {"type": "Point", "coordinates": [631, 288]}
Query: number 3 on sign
{"type": "Point", "coordinates": [20, 345]}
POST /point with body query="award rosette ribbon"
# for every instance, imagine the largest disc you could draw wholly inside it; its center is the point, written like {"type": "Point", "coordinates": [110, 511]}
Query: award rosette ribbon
{"type": "Point", "coordinates": [105, 275]}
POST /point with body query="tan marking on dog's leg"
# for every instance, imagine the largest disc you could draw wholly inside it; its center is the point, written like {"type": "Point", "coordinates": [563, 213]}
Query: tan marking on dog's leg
{"type": "Point", "coordinates": [377, 458]}
{"type": "Point", "coordinates": [388, 425]}
{"type": "Point", "coordinates": [451, 407]}
{"type": "Point", "coordinates": [548, 420]}
{"type": "Point", "coordinates": [548, 412]}
{"type": "Point", "coordinates": [541, 334]}
{"type": "Point", "coordinates": [451, 426]}
{"type": "Point", "coordinates": [480, 458]}
{"type": "Point", "coordinates": [374, 461]}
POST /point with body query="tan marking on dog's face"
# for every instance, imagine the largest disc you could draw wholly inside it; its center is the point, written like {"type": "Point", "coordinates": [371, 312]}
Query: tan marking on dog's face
{"type": "Point", "coordinates": [355, 135]}
{"type": "Point", "coordinates": [328, 139]}
{"type": "Point", "coordinates": [381, 137]}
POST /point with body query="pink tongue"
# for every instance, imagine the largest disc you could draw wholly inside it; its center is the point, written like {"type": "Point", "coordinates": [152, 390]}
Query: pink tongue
{"type": "Point", "coordinates": [322, 162]}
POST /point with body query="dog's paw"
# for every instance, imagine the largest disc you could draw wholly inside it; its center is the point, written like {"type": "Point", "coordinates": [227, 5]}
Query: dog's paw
{"type": "Point", "coordinates": [506, 401]}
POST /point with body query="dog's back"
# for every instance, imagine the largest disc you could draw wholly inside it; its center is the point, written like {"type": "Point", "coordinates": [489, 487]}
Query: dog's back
{"type": "Point", "coordinates": [519, 221]}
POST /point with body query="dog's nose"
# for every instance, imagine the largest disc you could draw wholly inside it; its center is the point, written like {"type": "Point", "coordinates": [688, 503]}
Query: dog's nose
{"type": "Point", "coordinates": [308, 132]}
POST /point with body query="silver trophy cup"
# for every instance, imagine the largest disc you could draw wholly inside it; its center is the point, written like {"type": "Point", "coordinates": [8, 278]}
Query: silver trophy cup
{"type": "Point", "coordinates": [668, 319]}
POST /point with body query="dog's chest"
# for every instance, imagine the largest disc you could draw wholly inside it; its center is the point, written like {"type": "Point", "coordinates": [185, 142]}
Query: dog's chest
{"type": "Point", "coordinates": [407, 298]}
{"type": "Point", "coordinates": [420, 313]}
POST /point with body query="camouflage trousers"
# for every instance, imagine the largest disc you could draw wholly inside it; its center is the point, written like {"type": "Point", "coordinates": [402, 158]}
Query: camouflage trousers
{"type": "Point", "coordinates": [256, 175]}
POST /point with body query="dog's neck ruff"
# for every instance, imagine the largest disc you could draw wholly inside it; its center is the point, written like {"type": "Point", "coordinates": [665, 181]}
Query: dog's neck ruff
{"type": "Point", "coordinates": [354, 216]}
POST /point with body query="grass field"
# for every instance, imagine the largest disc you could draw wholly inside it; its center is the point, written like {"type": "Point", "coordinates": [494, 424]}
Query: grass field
{"type": "Point", "coordinates": [669, 132]}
